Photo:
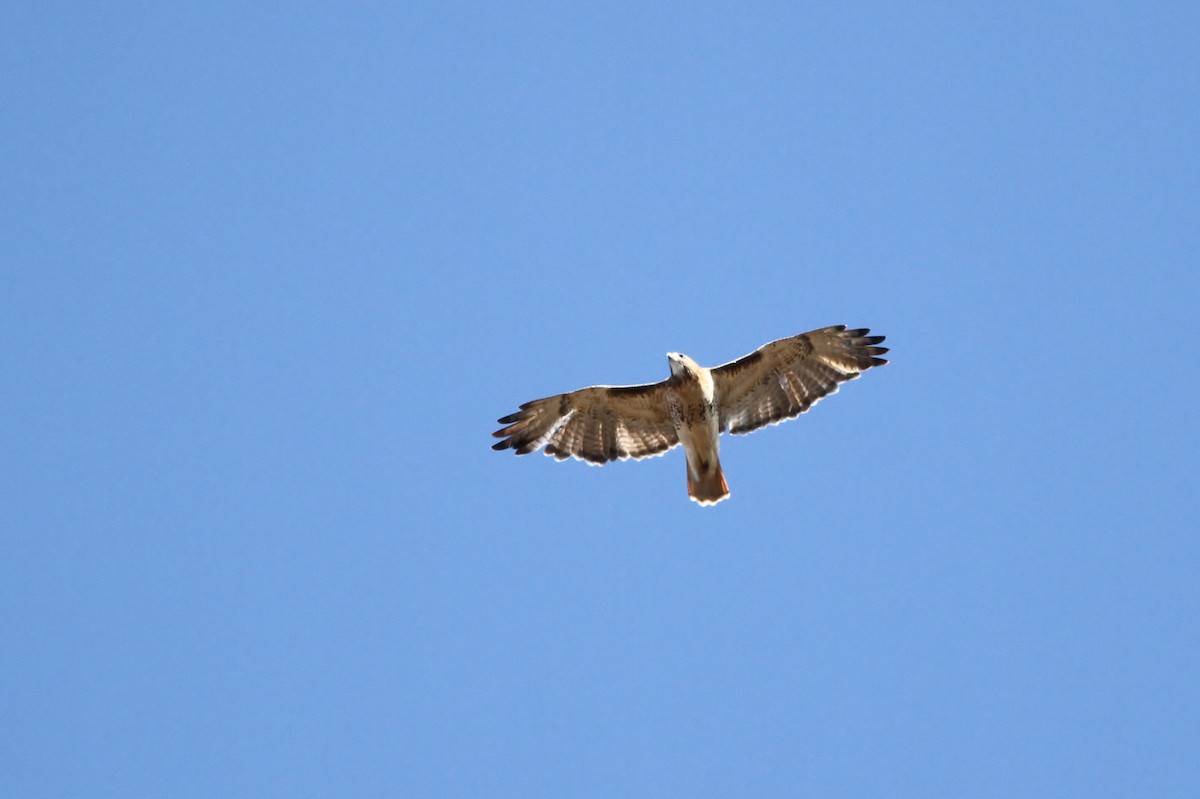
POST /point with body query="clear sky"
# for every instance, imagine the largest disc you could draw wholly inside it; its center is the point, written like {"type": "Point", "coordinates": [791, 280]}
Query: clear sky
{"type": "Point", "coordinates": [269, 275]}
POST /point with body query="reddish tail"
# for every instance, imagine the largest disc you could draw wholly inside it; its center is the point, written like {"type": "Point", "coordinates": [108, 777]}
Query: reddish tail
{"type": "Point", "coordinates": [709, 487]}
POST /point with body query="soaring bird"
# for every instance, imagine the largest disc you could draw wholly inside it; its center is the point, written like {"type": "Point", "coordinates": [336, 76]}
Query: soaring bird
{"type": "Point", "coordinates": [692, 407]}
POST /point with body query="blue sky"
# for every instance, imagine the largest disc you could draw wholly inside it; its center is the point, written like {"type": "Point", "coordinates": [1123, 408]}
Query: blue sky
{"type": "Point", "coordinates": [270, 275]}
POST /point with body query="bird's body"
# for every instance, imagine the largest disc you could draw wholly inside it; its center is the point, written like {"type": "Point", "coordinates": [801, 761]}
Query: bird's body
{"type": "Point", "coordinates": [692, 407]}
{"type": "Point", "coordinates": [694, 412]}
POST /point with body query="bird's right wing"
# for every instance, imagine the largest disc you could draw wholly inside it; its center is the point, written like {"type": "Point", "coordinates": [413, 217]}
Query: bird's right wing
{"type": "Point", "coordinates": [596, 424]}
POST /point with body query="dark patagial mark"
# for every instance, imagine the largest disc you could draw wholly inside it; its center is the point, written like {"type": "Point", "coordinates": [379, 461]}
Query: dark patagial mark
{"type": "Point", "coordinates": [633, 391]}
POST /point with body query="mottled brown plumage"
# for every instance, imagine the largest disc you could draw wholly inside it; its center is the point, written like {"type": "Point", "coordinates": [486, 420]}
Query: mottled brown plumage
{"type": "Point", "coordinates": [778, 381]}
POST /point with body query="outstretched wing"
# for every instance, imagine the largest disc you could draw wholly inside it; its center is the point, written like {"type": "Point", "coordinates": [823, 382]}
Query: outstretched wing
{"type": "Point", "coordinates": [596, 424]}
{"type": "Point", "coordinates": [783, 379]}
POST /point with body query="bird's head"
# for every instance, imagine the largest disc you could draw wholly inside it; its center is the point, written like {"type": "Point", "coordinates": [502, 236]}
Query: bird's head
{"type": "Point", "coordinates": [681, 364]}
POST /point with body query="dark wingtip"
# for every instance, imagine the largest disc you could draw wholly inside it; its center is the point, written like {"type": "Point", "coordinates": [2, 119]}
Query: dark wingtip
{"type": "Point", "coordinates": [502, 445]}
{"type": "Point", "coordinates": [512, 417]}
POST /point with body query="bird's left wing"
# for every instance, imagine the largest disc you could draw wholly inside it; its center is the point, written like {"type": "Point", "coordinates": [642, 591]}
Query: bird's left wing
{"type": "Point", "coordinates": [596, 424]}
{"type": "Point", "coordinates": [783, 379]}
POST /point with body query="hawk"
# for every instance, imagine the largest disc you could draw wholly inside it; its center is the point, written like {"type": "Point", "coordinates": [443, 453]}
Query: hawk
{"type": "Point", "coordinates": [693, 406]}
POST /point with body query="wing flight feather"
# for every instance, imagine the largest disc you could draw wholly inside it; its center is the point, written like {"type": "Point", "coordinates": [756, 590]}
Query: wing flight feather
{"type": "Point", "coordinates": [596, 424]}
{"type": "Point", "coordinates": [785, 378]}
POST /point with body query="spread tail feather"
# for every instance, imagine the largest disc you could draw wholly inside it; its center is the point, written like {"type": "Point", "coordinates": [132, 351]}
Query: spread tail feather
{"type": "Point", "coordinates": [710, 487]}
